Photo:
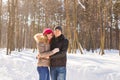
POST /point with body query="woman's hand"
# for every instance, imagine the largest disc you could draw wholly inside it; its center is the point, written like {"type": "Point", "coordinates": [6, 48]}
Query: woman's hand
{"type": "Point", "coordinates": [38, 56]}
{"type": "Point", "coordinates": [37, 37]}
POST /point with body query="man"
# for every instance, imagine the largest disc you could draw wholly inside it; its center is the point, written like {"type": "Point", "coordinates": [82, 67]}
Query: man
{"type": "Point", "coordinates": [58, 61]}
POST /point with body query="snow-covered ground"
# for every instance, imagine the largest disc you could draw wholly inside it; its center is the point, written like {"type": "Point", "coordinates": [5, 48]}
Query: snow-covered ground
{"type": "Point", "coordinates": [90, 66]}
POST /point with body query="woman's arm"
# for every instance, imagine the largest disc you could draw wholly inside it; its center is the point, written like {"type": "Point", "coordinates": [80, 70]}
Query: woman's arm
{"type": "Point", "coordinates": [43, 53]}
{"type": "Point", "coordinates": [37, 36]}
{"type": "Point", "coordinates": [49, 53]}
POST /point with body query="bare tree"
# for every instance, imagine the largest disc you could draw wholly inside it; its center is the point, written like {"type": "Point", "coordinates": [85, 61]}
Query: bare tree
{"type": "Point", "coordinates": [11, 26]}
{"type": "Point", "coordinates": [0, 21]}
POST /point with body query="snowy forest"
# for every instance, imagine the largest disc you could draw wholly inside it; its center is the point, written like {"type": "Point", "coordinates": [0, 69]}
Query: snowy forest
{"type": "Point", "coordinates": [91, 26]}
{"type": "Point", "coordinates": [88, 24]}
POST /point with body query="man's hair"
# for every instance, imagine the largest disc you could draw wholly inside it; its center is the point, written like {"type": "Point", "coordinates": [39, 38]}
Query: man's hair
{"type": "Point", "coordinates": [58, 27]}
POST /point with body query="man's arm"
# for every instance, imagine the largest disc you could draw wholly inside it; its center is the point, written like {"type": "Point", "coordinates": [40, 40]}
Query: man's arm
{"type": "Point", "coordinates": [43, 53]}
{"type": "Point", "coordinates": [49, 53]}
{"type": "Point", "coordinates": [62, 52]}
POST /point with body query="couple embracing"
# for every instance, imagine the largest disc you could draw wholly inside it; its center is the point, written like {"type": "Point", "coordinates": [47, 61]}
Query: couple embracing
{"type": "Point", "coordinates": [52, 47]}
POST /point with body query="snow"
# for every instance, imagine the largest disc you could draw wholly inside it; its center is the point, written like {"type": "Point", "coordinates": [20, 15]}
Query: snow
{"type": "Point", "coordinates": [90, 66]}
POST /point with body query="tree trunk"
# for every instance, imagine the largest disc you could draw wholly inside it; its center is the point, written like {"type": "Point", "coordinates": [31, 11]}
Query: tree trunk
{"type": "Point", "coordinates": [67, 27]}
{"type": "Point", "coordinates": [0, 21]}
{"type": "Point", "coordinates": [11, 26]}
{"type": "Point", "coordinates": [102, 29]}
{"type": "Point", "coordinates": [76, 43]}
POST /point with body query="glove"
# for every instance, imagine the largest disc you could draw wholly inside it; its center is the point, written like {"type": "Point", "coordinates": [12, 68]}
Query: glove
{"type": "Point", "coordinates": [55, 50]}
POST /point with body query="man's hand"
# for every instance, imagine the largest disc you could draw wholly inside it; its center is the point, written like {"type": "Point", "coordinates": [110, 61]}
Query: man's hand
{"type": "Point", "coordinates": [41, 57]}
{"type": "Point", "coordinates": [55, 50]}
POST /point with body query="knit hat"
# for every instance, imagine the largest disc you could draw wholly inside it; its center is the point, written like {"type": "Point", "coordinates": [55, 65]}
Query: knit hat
{"type": "Point", "coordinates": [59, 28]}
{"type": "Point", "coordinates": [47, 31]}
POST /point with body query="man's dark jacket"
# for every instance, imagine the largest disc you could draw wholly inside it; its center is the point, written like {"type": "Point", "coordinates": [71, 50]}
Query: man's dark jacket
{"type": "Point", "coordinates": [60, 58]}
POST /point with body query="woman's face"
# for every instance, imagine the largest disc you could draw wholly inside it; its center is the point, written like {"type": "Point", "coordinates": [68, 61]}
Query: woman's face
{"type": "Point", "coordinates": [49, 36]}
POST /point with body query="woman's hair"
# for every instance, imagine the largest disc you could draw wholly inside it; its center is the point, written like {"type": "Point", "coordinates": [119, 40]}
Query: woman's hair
{"type": "Point", "coordinates": [39, 37]}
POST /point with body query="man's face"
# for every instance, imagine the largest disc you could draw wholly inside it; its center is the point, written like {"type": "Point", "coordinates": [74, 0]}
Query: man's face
{"type": "Point", "coordinates": [57, 32]}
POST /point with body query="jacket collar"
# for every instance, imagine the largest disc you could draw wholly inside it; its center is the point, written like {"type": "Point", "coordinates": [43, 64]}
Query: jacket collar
{"type": "Point", "coordinates": [59, 37]}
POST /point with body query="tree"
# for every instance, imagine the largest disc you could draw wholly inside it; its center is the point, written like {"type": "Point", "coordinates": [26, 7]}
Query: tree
{"type": "Point", "coordinates": [11, 26]}
{"type": "Point", "coordinates": [0, 21]}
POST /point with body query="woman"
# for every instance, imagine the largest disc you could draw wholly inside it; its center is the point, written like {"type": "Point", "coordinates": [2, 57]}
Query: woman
{"type": "Point", "coordinates": [43, 40]}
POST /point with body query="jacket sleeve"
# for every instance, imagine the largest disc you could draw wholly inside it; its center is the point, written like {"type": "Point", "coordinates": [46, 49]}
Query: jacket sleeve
{"type": "Point", "coordinates": [46, 54]}
{"type": "Point", "coordinates": [42, 51]}
{"type": "Point", "coordinates": [63, 50]}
